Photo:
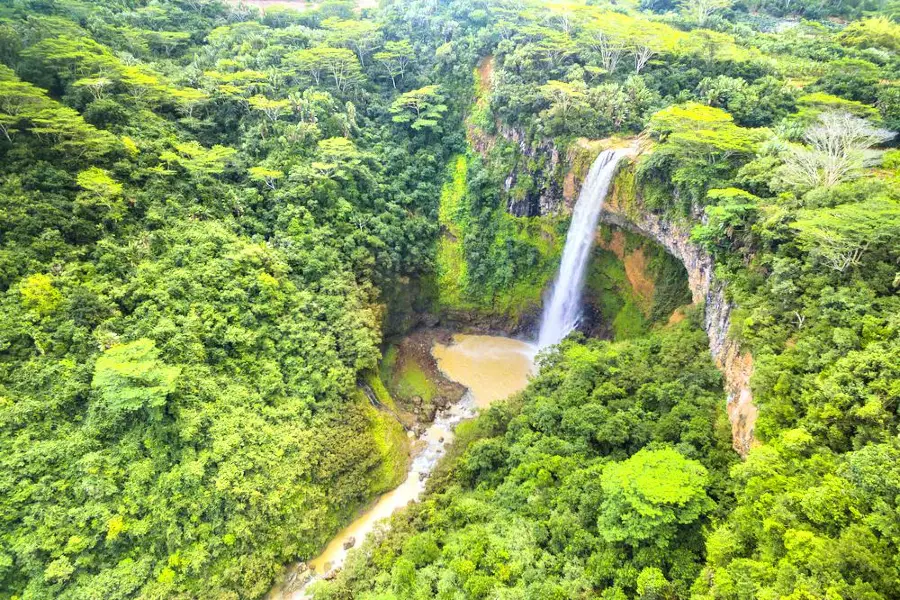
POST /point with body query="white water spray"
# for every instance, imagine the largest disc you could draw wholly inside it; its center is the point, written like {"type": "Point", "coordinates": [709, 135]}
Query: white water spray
{"type": "Point", "coordinates": [562, 312]}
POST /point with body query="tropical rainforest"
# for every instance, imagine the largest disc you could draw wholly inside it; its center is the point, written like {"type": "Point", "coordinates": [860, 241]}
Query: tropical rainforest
{"type": "Point", "coordinates": [212, 216]}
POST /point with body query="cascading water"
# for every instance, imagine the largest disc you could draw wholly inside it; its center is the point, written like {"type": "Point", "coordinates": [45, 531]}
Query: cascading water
{"type": "Point", "coordinates": [562, 312]}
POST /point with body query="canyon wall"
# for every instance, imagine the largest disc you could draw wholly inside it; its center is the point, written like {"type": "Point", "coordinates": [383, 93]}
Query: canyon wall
{"type": "Point", "coordinates": [625, 209]}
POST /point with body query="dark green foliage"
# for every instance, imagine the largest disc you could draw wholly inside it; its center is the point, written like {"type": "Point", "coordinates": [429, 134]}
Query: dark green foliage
{"type": "Point", "coordinates": [195, 241]}
{"type": "Point", "coordinates": [601, 478]}
{"type": "Point", "coordinates": [204, 213]}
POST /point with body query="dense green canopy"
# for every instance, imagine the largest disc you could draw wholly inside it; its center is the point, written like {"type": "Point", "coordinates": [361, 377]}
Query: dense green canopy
{"type": "Point", "coordinates": [212, 216]}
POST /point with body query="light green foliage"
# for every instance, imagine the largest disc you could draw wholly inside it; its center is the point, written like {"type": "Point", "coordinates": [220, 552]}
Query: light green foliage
{"type": "Point", "coordinates": [266, 175]}
{"type": "Point", "coordinates": [38, 294]}
{"type": "Point", "coordinates": [451, 264]}
{"type": "Point", "coordinates": [650, 495]}
{"type": "Point", "coordinates": [652, 585]}
{"type": "Point", "coordinates": [422, 108]}
{"type": "Point", "coordinates": [700, 146]}
{"type": "Point", "coordinates": [98, 182]}
{"type": "Point", "coordinates": [102, 195]}
{"type": "Point", "coordinates": [564, 98]}
{"type": "Point", "coordinates": [199, 160]}
{"type": "Point", "coordinates": [390, 443]}
{"type": "Point", "coordinates": [340, 158]}
{"type": "Point", "coordinates": [812, 105]}
{"type": "Point", "coordinates": [95, 85]}
{"type": "Point", "coordinates": [339, 65]}
{"type": "Point", "coordinates": [25, 107]}
{"type": "Point", "coordinates": [271, 108]}
{"type": "Point", "coordinates": [361, 36]}
{"type": "Point", "coordinates": [394, 59]}
{"type": "Point", "coordinates": [130, 377]}
{"type": "Point", "coordinates": [841, 235]}
{"type": "Point", "coordinates": [874, 32]}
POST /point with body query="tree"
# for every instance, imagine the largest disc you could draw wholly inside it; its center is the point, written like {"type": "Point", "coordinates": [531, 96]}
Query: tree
{"type": "Point", "coordinates": [394, 59]}
{"type": "Point", "coordinates": [339, 157]}
{"type": "Point", "coordinates": [239, 83]}
{"type": "Point", "coordinates": [646, 39]}
{"type": "Point", "coordinates": [691, 116]}
{"type": "Point", "coordinates": [702, 146]}
{"type": "Point", "coordinates": [24, 106]}
{"type": "Point", "coordinates": [563, 97]}
{"type": "Point", "coordinates": [168, 41]}
{"type": "Point", "coordinates": [852, 78]}
{"type": "Point", "coordinates": [74, 57]}
{"type": "Point", "coordinates": [701, 10]}
{"type": "Point", "coordinates": [266, 175]}
{"type": "Point", "coordinates": [269, 107]}
{"type": "Point", "coordinates": [873, 32]}
{"type": "Point", "coordinates": [652, 585]}
{"type": "Point", "coordinates": [608, 45]}
{"type": "Point", "coordinates": [422, 108]}
{"type": "Point", "coordinates": [841, 235]}
{"type": "Point", "coordinates": [101, 193]}
{"type": "Point", "coordinates": [647, 497]}
{"type": "Point", "coordinates": [130, 377]}
{"type": "Point", "coordinates": [188, 99]}
{"type": "Point", "coordinates": [730, 216]}
{"type": "Point", "coordinates": [141, 82]}
{"type": "Point", "coordinates": [199, 160]}
{"type": "Point", "coordinates": [341, 63]}
{"type": "Point", "coordinates": [95, 85]}
{"type": "Point", "coordinates": [837, 151]}
{"type": "Point", "coordinates": [18, 102]}
{"type": "Point", "coordinates": [360, 36]}
{"type": "Point", "coordinates": [39, 294]}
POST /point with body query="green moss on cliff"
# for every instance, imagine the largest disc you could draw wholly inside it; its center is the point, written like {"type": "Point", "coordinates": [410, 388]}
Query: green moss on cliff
{"type": "Point", "coordinates": [389, 438]}
{"type": "Point", "coordinates": [406, 378]}
{"type": "Point", "coordinates": [633, 283]}
{"type": "Point", "coordinates": [489, 262]}
{"type": "Point", "coordinates": [451, 264]}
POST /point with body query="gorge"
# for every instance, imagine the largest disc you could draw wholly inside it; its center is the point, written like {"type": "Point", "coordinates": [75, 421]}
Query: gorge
{"type": "Point", "coordinates": [609, 289]}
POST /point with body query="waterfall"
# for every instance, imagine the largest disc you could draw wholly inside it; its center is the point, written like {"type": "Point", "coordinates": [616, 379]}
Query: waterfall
{"type": "Point", "coordinates": [562, 312]}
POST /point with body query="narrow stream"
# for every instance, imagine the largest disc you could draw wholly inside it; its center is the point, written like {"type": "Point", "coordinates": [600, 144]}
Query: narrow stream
{"type": "Point", "coordinates": [492, 368]}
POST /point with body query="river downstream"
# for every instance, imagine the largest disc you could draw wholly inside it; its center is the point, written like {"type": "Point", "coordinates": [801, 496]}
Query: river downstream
{"type": "Point", "coordinates": [491, 368]}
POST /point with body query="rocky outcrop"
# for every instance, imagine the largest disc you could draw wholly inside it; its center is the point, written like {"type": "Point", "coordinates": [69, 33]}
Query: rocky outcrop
{"type": "Point", "coordinates": [625, 210]}
{"type": "Point", "coordinates": [542, 194]}
{"type": "Point", "coordinates": [533, 186]}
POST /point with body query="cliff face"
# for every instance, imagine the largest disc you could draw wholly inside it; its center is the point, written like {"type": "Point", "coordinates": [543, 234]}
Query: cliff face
{"type": "Point", "coordinates": [626, 210]}
{"type": "Point", "coordinates": [541, 193]}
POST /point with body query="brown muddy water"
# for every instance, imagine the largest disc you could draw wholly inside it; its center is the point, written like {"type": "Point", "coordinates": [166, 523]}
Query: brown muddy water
{"type": "Point", "coordinates": [492, 368]}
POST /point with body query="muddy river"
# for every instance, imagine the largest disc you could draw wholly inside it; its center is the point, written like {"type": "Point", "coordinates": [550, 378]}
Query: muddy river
{"type": "Point", "coordinates": [492, 368]}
